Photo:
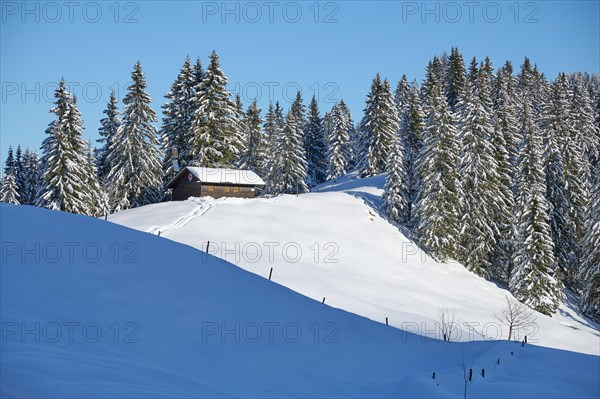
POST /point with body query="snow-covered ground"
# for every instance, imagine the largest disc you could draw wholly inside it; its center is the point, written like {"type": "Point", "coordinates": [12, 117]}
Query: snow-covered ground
{"type": "Point", "coordinates": [93, 309]}
{"type": "Point", "coordinates": [334, 243]}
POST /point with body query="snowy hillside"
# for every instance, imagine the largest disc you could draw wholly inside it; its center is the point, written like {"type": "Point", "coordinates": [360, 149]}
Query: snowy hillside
{"type": "Point", "coordinates": [333, 243]}
{"type": "Point", "coordinates": [91, 309]}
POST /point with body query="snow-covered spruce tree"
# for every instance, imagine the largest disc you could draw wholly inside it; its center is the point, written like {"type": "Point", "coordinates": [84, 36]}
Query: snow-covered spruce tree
{"type": "Point", "coordinates": [410, 133]}
{"type": "Point", "coordinates": [588, 134]}
{"type": "Point", "coordinates": [393, 198]}
{"type": "Point", "coordinates": [478, 174]}
{"type": "Point", "coordinates": [253, 153]}
{"type": "Point", "coordinates": [590, 268]}
{"type": "Point", "coordinates": [557, 133]}
{"type": "Point", "coordinates": [136, 175]}
{"type": "Point", "coordinates": [456, 77]}
{"type": "Point", "coordinates": [216, 140]}
{"type": "Point", "coordinates": [314, 145]}
{"type": "Point", "coordinates": [290, 170]}
{"type": "Point", "coordinates": [505, 111]}
{"type": "Point", "coordinates": [9, 164]}
{"type": "Point", "coordinates": [504, 126]}
{"type": "Point", "coordinates": [98, 198]}
{"type": "Point", "coordinates": [65, 180]}
{"type": "Point", "coordinates": [31, 177]}
{"type": "Point", "coordinates": [338, 144]}
{"type": "Point", "coordinates": [107, 131]}
{"type": "Point", "coordinates": [352, 134]}
{"type": "Point", "coordinates": [19, 171]}
{"type": "Point", "coordinates": [533, 280]}
{"type": "Point", "coordinates": [9, 192]}
{"type": "Point", "coordinates": [401, 96]}
{"type": "Point", "coordinates": [437, 207]}
{"type": "Point", "coordinates": [176, 129]}
{"type": "Point", "coordinates": [273, 127]}
{"type": "Point", "coordinates": [380, 125]}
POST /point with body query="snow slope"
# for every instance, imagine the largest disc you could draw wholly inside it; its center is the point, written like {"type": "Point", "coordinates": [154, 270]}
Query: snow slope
{"type": "Point", "coordinates": [65, 280]}
{"type": "Point", "coordinates": [334, 243]}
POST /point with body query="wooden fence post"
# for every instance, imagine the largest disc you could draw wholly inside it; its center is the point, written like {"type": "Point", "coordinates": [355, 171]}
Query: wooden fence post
{"type": "Point", "coordinates": [323, 300]}
{"type": "Point", "coordinates": [270, 274]}
{"type": "Point", "coordinates": [207, 244]}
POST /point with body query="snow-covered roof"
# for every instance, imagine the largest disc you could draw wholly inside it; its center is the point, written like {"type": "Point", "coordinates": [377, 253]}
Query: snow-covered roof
{"type": "Point", "coordinates": [221, 175]}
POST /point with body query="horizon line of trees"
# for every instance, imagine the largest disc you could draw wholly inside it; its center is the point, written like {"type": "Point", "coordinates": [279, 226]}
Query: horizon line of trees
{"type": "Point", "coordinates": [496, 170]}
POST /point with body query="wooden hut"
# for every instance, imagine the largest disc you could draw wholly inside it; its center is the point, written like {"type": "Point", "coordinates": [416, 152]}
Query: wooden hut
{"type": "Point", "coordinates": [214, 182]}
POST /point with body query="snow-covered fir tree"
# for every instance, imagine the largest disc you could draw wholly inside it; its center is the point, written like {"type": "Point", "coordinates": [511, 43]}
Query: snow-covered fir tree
{"type": "Point", "coordinates": [9, 192]}
{"type": "Point", "coordinates": [253, 152]}
{"type": "Point", "coordinates": [504, 141]}
{"type": "Point", "coordinates": [176, 128]}
{"type": "Point", "coordinates": [98, 197]}
{"type": "Point", "coordinates": [273, 128]}
{"type": "Point", "coordinates": [19, 171]}
{"type": "Point", "coordinates": [393, 198]}
{"type": "Point", "coordinates": [135, 178]}
{"type": "Point", "coordinates": [588, 134]}
{"type": "Point", "coordinates": [590, 268]}
{"type": "Point", "coordinates": [338, 144]}
{"type": "Point", "coordinates": [478, 174]}
{"type": "Point", "coordinates": [290, 168]}
{"type": "Point", "coordinates": [533, 280]}
{"type": "Point", "coordinates": [65, 180]}
{"type": "Point", "coordinates": [9, 164]}
{"type": "Point", "coordinates": [31, 177]}
{"type": "Point", "coordinates": [314, 145]}
{"type": "Point", "coordinates": [456, 78]}
{"type": "Point", "coordinates": [401, 96]}
{"type": "Point", "coordinates": [437, 207]}
{"type": "Point", "coordinates": [216, 140]}
{"type": "Point", "coordinates": [351, 155]}
{"type": "Point", "coordinates": [379, 127]}
{"type": "Point", "coordinates": [107, 131]}
{"type": "Point", "coordinates": [410, 133]}
{"type": "Point", "coordinates": [557, 133]}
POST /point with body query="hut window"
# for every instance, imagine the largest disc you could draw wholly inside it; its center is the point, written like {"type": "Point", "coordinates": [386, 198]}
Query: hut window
{"type": "Point", "coordinates": [211, 188]}
{"type": "Point", "coordinates": [236, 189]}
{"type": "Point", "coordinates": [226, 189]}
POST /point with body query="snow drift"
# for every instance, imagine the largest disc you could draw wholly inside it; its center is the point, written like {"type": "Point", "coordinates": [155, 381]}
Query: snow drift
{"type": "Point", "coordinates": [92, 309]}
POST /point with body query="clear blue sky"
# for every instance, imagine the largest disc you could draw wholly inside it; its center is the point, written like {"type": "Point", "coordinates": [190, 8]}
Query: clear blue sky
{"type": "Point", "coordinates": [330, 48]}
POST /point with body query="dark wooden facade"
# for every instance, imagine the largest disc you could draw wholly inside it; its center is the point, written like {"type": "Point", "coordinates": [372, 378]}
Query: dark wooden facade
{"type": "Point", "coordinates": [187, 185]}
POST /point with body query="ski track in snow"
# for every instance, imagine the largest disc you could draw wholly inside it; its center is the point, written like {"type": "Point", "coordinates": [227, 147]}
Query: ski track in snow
{"type": "Point", "coordinates": [204, 205]}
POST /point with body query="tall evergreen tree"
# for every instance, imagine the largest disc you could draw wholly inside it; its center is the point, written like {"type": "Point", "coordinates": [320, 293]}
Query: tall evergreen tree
{"type": "Point", "coordinates": [533, 280]}
{"type": "Point", "coordinates": [590, 268]}
{"type": "Point", "coordinates": [31, 172]}
{"type": "Point", "coordinates": [9, 190]}
{"type": "Point", "coordinates": [108, 130]}
{"type": "Point", "coordinates": [314, 145]}
{"type": "Point", "coordinates": [410, 134]}
{"type": "Point", "coordinates": [253, 153]}
{"type": "Point", "coordinates": [558, 179]}
{"type": "Point", "coordinates": [380, 125]}
{"type": "Point", "coordinates": [437, 207]}
{"type": "Point", "coordinates": [176, 129]}
{"type": "Point", "coordinates": [393, 198]}
{"type": "Point", "coordinates": [456, 78]}
{"type": "Point", "coordinates": [65, 170]}
{"type": "Point", "coordinates": [478, 173]}
{"type": "Point", "coordinates": [216, 140]}
{"type": "Point", "coordinates": [136, 175]}
{"type": "Point", "coordinates": [290, 170]}
{"type": "Point", "coordinates": [338, 144]}
{"type": "Point", "coordinates": [9, 164]}
{"type": "Point", "coordinates": [19, 170]}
